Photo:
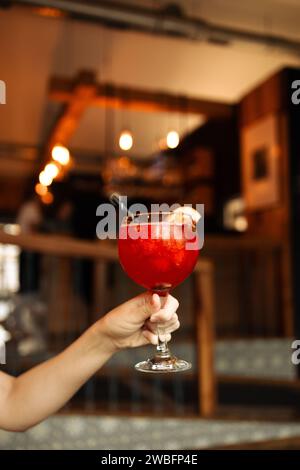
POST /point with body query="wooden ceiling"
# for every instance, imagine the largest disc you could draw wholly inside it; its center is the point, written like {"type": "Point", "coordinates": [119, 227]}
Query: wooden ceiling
{"type": "Point", "coordinates": [109, 95]}
{"type": "Point", "coordinates": [83, 91]}
{"type": "Point", "coordinates": [76, 96]}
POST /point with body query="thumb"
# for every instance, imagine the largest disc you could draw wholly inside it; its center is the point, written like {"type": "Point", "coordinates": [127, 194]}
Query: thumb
{"type": "Point", "coordinates": [140, 308]}
{"type": "Point", "coordinates": [155, 303]}
{"type": "Point", "coordinates": [152, 304]}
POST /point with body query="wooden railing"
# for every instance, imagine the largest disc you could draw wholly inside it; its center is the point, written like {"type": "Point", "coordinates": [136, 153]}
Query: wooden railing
{"type": "Point", "coordinates": [250, 268]}
{"type": "Point", "coordinates": [102, 253]}
{"type": "Point", "coordinates": [254, 287]}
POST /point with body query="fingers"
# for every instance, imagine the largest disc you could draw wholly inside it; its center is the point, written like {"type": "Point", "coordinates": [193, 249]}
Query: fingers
{"type": "Point", "coordinates": [159, 311]}
{"type": "Point", "coordinates": [152, 338]}
{"type": "Point", "coordinates": [165, 313]}
{"type": "Point", "coordinates": [155, 303]}
{"type": "Point", "coordinates": [168, 326]}
{"type": "Point", "coordinates": [150, 304]}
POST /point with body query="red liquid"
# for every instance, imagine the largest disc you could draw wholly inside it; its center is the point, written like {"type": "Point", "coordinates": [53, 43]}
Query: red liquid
{"type": "Point", "coordinates": [159, 259]}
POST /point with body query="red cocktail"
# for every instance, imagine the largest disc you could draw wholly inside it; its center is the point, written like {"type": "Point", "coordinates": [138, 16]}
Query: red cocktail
{"type": "Point", "coordinates": [159, 251]}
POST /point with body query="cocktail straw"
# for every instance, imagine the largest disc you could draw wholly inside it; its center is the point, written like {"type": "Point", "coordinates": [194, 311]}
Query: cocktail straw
{"type": "Point", "coordinates": [116, 200]}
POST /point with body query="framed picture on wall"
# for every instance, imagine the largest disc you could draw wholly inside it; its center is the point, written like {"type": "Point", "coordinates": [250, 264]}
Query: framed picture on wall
{"type": "Point", "coordinates": [260, 163]}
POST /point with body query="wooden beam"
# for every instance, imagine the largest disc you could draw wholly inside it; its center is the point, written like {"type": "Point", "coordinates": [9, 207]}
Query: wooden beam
{"type": "Point", "coordinates": [59, 245]}
{"type": "Point", "coordinates": [82, 92]}
{"type": "Point", "coordinates": [107, 250]}
{"type": "Point", "coordinates": [109, 95]}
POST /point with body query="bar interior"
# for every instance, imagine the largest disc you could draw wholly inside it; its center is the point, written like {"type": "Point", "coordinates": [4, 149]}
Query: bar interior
{"type": "Point", "coordinates": [181, 102]}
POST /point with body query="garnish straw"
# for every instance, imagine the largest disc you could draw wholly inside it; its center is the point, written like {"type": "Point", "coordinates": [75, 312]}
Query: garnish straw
{"type": "Point", "coordinates": [116, 200]}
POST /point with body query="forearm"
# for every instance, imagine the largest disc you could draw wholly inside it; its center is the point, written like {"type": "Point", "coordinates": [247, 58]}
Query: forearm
{"type": "Point", "coordinates": [46, 388]}
{"type": "Point", "coordinates": [32, 397]}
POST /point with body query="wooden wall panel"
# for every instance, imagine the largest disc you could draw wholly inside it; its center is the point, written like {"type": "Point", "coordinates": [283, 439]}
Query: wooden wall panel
{"type": "Point", "coordinates": [271, 99]}
{"type": "Point", "coordinates": [267, 98]}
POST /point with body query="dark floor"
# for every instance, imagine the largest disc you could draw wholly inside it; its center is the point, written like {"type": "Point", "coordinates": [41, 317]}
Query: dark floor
{"type": "Point", "coordinates": [109, 433]}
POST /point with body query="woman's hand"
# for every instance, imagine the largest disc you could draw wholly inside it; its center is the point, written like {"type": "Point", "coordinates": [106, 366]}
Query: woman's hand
{"type": "Point", "coordinates": [134, 323]}
{"type": "Point", "coordinates": [46, 388]}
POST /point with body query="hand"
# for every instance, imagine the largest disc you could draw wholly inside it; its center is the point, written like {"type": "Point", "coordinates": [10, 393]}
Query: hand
{"type": "Point", "coordinates": [134, 323]}
{"type": "Point", "coordinates": [48, 386]}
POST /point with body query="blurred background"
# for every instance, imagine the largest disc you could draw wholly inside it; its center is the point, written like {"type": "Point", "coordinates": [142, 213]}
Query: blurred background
{"type": "Point", "coordinates": [184, 101]}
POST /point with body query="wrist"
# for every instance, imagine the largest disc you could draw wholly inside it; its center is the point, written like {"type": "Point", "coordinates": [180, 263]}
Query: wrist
{"type": "Point", "coordinates": [102, 340]}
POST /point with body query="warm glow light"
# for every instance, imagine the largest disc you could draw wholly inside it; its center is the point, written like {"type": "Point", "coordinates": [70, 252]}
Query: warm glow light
{"type": "Point", "coordinates": [241, 223]}
{"type": "Point", "coordinates": [172, 139]}
{"type": "Point", "coordinates": [47, 198]}
{"type": "Point", "coordinates": [124, 163]}
{"type": "Point", "coordinates": [52, 170]}
{"type": "Point", "coordinates": [61, 154]}
{"type": "Point", "coordinates": [49, 12]}
{"type": "Point", "coordinates": [126, 140]}
{"type": "Point", "coordinates": [40, 189]}
{"type": "Point", "coordinates": [45, 179]}
{"type": "Point", "coordinates": [162, 143]}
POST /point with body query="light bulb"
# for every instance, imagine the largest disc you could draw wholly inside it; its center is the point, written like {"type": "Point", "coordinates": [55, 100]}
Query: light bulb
{"type": "Point", "coordinates": [45, 179]}
{"type": "Point", "coordinates": [162, 143]}
{"type": "Point", "coordinates": [47, 198]}
{"type": "Point", "coordinates": [241, 223]}
{"type": "Point", "coordinates": [125, 140]}
{"type": "Point", "coordinates": [172, 139]}
{"type": "Point", "coordinates": [61, 154]}
{"type": "Point", "coordinates": [52, 170]}
{"type": "Point", "coordinates": [40, 189]}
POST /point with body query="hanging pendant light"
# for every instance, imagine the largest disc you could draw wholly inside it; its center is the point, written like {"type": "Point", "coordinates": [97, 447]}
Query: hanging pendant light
{"type": "Point", "coordinates": [52, 170]}
{"type": "Point", "coordinates": [40, 189]}
{"type": "Point", "coordinates": [126, 140]}
{"type": "Point", "coordinates": [45, 179]}
{"type": "Point", "coordinates": [172, 139]}
{"type": "Point", "coordinates": [61, 154]}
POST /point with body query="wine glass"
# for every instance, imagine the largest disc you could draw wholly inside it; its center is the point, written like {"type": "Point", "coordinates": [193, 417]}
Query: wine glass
{"type": "Point", "coordinates": [158, 250]}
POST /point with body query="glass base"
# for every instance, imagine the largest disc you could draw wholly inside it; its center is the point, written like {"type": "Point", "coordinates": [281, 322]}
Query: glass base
{"type": "Point", "coordinates": [162, 364]}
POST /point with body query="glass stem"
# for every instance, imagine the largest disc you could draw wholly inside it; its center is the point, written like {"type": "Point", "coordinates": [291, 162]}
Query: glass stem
{"type": "Point", "coordinates": [162, 348]}
{"type": "Point", "coordinates": [162, 345]}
